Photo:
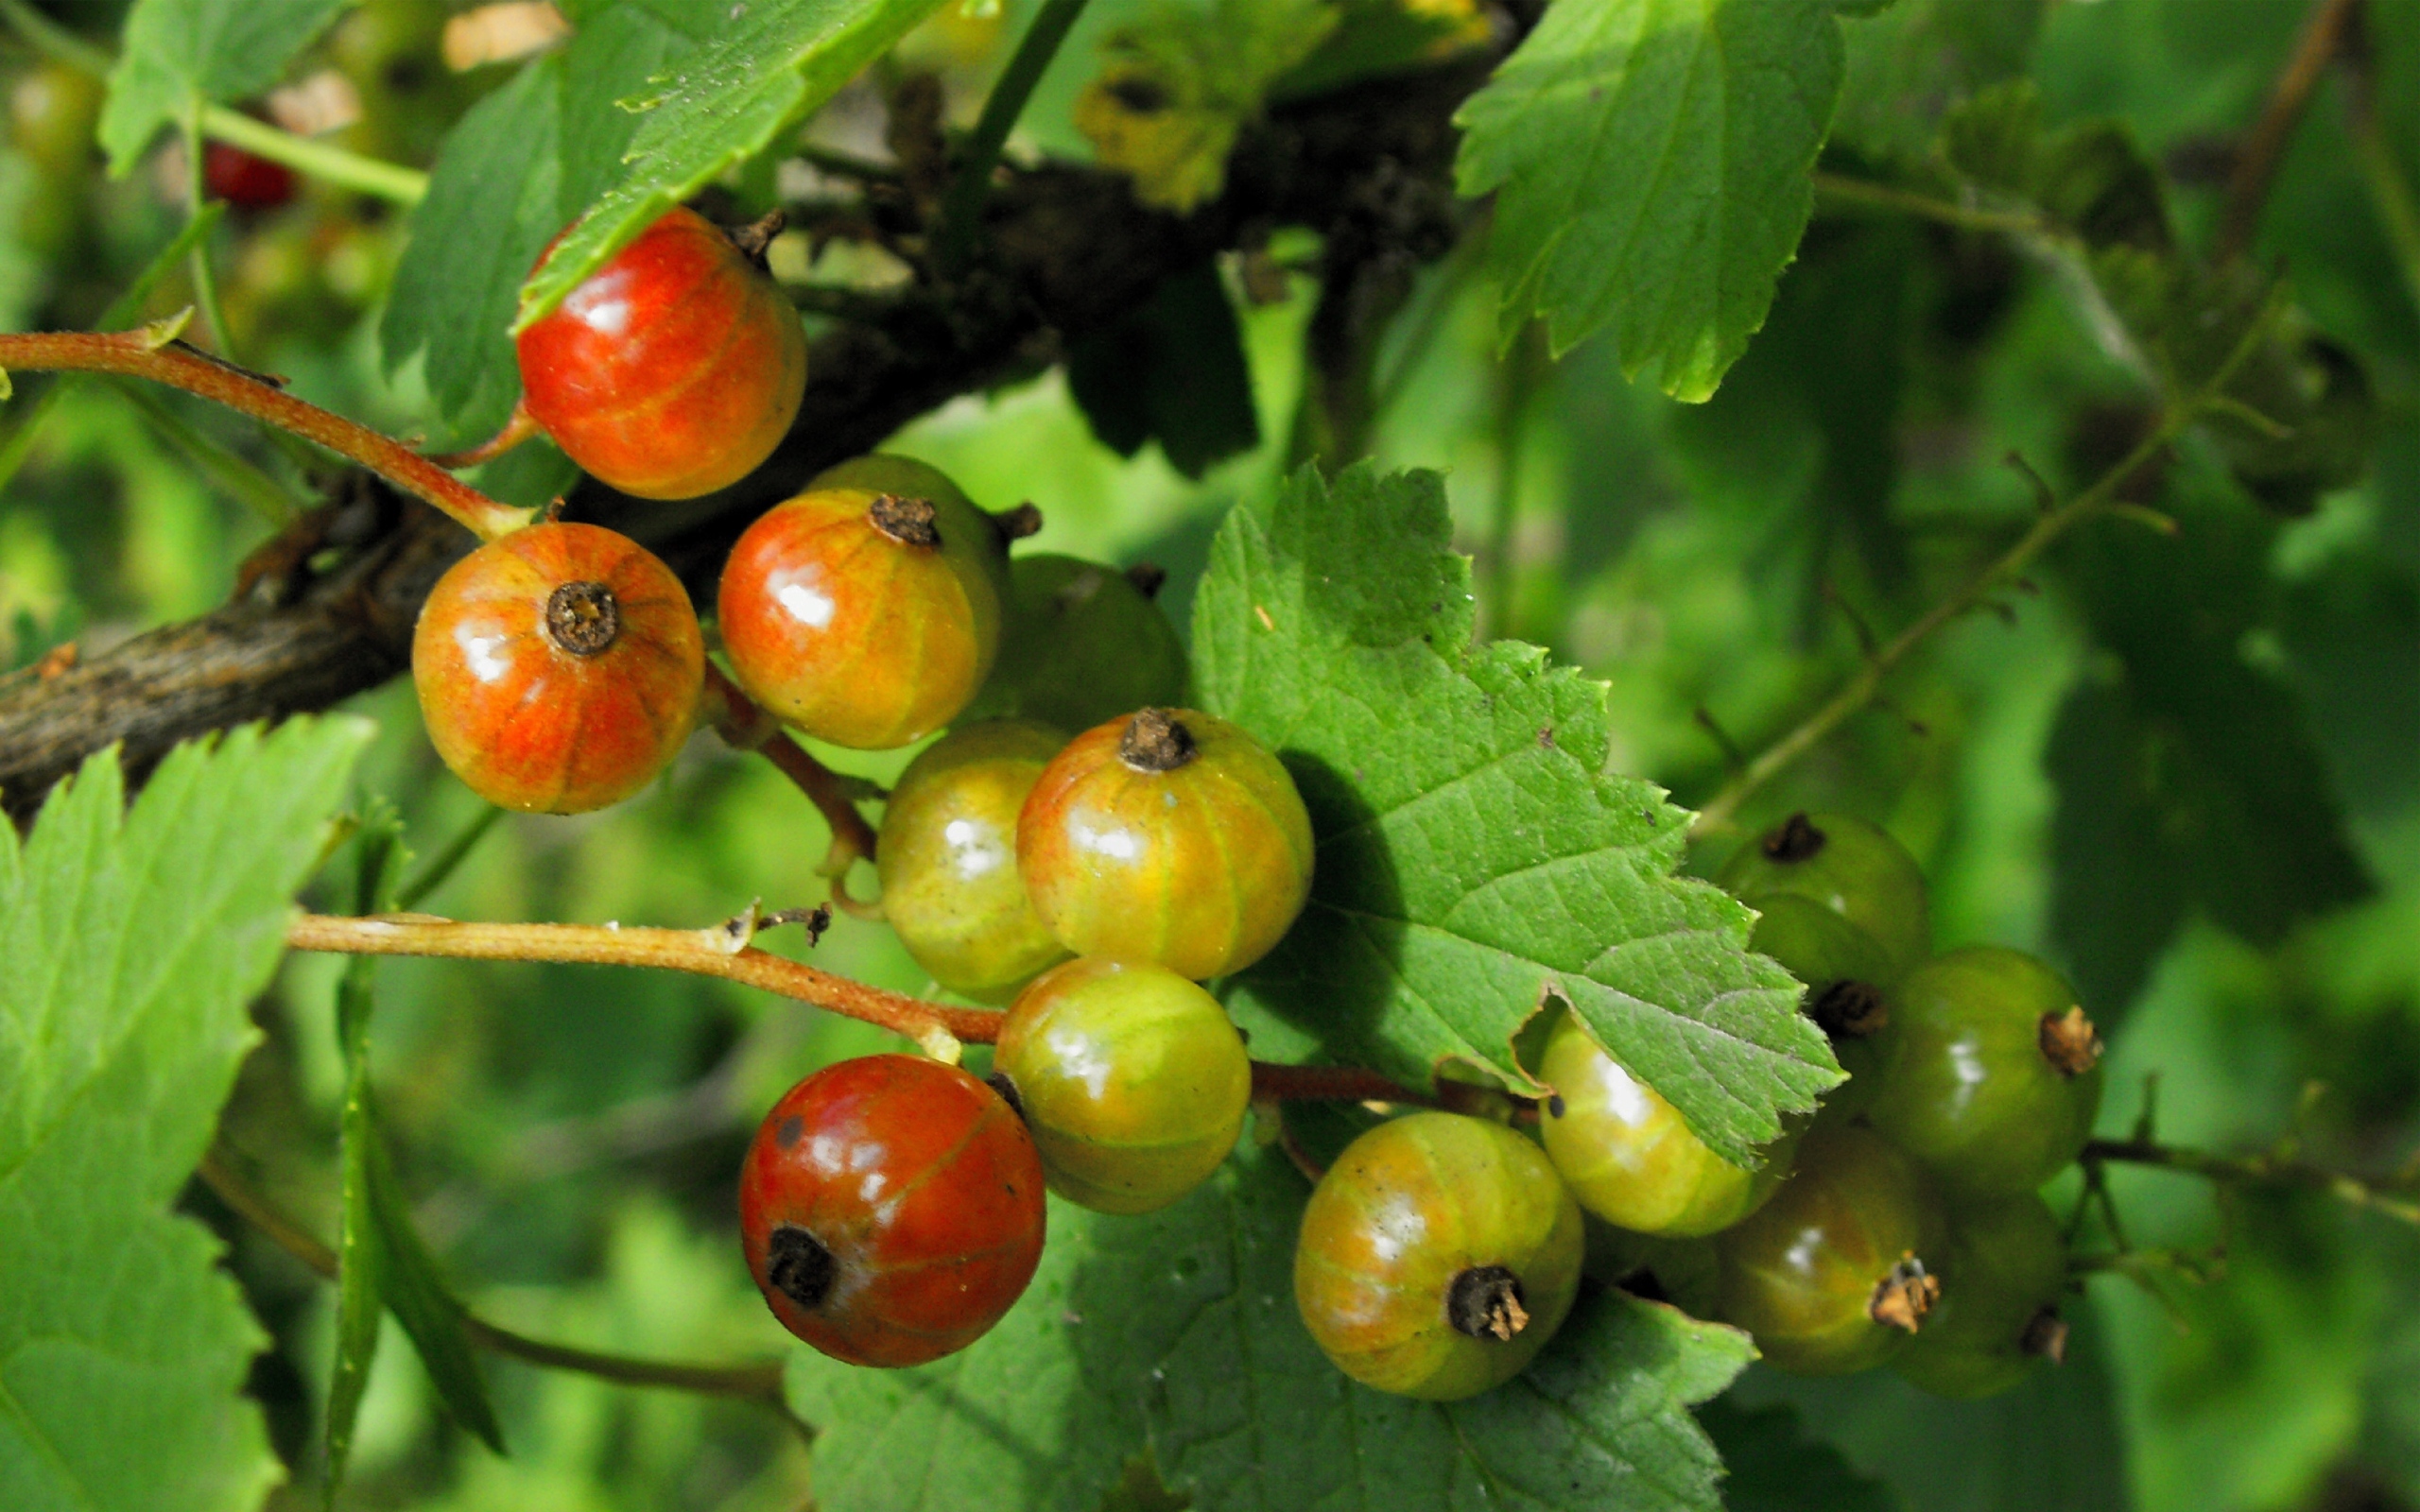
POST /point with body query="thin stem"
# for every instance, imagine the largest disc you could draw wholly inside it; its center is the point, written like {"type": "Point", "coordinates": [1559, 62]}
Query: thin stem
{"type": "Point", "coordinates": [519, 426]}
{"type": "Point", "coordinates": [720, 952]}
{"type": "Point", "coordinates": [2397, 1196]}
{"type": "Point", "coordinates": [2390, 189]}
{"type": "Point", "coordinates": [2047, 526]}
{"type": "Point", "coordinates": [205, 277]}
{"type": "Point", "coordinates": [434, 872]}
{"type": "Point", "coordinates": [391, 182]}
{"type": "Point", "coordinates": [961, 211]}
{"type": "Point", "coordinates": [1516, 380]}
{"type": "Point", "coordinates": [1342, 1084]}
{"type": "Point", "coordinates": [757, 1381]}
{"type": "Point", "coordinates": [2255, 166]}
{"type": "Point", "coordinates": [239, 478]}
{"type": "Point", "coordinates": [1841, 189]}
{"type": "Point", "coordinates": [746, 727]}
{"type": "Point", "coordinates": [143, 354]}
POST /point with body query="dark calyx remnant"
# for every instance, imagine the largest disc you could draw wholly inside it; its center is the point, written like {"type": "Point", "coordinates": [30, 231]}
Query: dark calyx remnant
{"type": "Point", "coordinates": [1156, 741]}
{"type": "Point", "coordinates": [1903, 1298]}
{"type": "Point", "coordinates": [999, 1081]}
{"type": "Point", "coordinates": [2070, 1042]}
{"type": "Point", "coordinates": [799, 1265]}
{"type": "Point", "coordinates": [1795, 839]}
{"type": "Point", "coordinates": [1485, 1303]}
{"type": "Point", "coordinates": [908, 521]}
{"type": "Point", "coordinates": [1849, 1010]}
{"type": "Point", "coordinates": [1148, 577]}
{"type": "Point", "coordinates": [752, 238]}
{"type": "Point", "coordinates": [2045, 1336]}
{"type": "Point", "coordinates": [583, 618]}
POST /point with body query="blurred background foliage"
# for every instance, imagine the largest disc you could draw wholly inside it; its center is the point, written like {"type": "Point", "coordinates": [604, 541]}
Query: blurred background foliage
{"type": "Point", "coordinates": [2187, 769]}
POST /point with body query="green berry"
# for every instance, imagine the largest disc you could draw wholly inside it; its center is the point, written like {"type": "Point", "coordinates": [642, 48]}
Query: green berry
{"type": "Point", "coordinates": [1843, 968]}
{"type": "Point", "coordinates": [947, 857]}
{"type": "Point", "coordinates": [1082, 643]}
{"type": "Point", "coordinates": [1848, 865]}
{"type": "Point", "coordinates": [2002, 1268]}
{"type": "Point", "coordinates": [1629, 1156]}
{"type": "Point", "coordinates": [1991, 1076]}
{"type": "Point", "coordinates": [1132, 1079]}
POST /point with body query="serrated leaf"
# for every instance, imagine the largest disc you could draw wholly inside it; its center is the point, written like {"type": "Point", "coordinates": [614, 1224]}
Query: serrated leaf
{"type": "Point", "coordinates": [134, 941]}
{"type": "Point", "coordinates": [516, 170]}
{"type": "Point", "coordinates": [1651, 164]}
{"type": "Point", "coordinates": [1473, 852]}
{"type": "Point", "coordinates": [766, 65]}
{"type": "Point", "coordinates": [180, 52]}
{"type": "Point", "coordinates": [1173, 369]}
{"type": "Point", "coordinates": [1184, 1327]}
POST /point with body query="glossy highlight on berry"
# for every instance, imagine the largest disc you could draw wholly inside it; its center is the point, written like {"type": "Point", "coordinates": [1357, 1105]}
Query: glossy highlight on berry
{"type": "Point", "coordinates": [558, 668]}
{"type": "Point", "coordinates": [1437, 1256]}
{"type": "Point", "coordinates": [1173, 836]}
{"type": "Point", "coordinates": [1132, 1079]}
{"type": "Point", "coordinates": [673, 371]}
{"type": "Point", "coordinates": [890, 1209]}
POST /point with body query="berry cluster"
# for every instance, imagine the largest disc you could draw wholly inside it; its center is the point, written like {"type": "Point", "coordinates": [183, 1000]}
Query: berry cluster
{"type": "Point", "coordinates": [1904, 1225]}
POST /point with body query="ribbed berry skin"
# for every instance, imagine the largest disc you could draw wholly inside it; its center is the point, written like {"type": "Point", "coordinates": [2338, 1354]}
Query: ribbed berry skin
{"type": "Point", "coordinates": [673, 371]}
{"type": "Point", "coordinates": [530, 725]}
{"type": "Point", "coordinates": [923, 1193]}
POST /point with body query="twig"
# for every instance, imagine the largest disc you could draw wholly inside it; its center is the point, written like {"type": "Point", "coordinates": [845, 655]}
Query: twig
{"type": "Point", "coordinates": [758, 1380]}
{"type": "Point", "coordinates": [961, 209]}
{"type": "Point", "coordinates": [153, 352]}
{"type": "Point", "coordinates": [2396, 1196]}
{"type": "Point", "coordinates": [2256, 167]}
{"type": "Point", "coordinates": [1861, 689]}
{"type": "Point", "coordinates": [702, 951]}
{"type": "Point", "coordinates": [1842, 189]}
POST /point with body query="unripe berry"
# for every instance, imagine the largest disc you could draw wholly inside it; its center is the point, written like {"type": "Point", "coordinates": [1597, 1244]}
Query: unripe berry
{"type": "Point", "coordinates": [1849, 866]}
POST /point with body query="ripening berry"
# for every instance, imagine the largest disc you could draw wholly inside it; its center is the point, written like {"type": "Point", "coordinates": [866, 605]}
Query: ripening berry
{"type": "Point", "coordinates": [1850, 866]}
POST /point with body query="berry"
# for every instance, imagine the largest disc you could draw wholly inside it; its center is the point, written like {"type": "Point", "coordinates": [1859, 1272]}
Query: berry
{"type": "Point", "coordinates": [882, 472]}
{"type": "Point", "coordinates": [1082, 643]}
{"type": "Point", "coordinates": [1844, 969]}
{"type": "Point", "coordinates": [244, 180]}
{"type": "Point", "coordinates": [1829, 1276]}
{"type": "Point", "coordinates": [673, 371]}
{"type": "Point", "coordinates": [890, 1209]}
{"type": "Point", "coordinates": [865, 619]}
{"type": "Point", "coordinates": [558, 668]}
{"type": "Point", "coordinates": [1850, 866]}
{"type": "Point", "coordinates": [1130, 1078]}
{"type": "Point", "coordinates": [947, 857]}
{"type": "Point", "coordinates": [1992, 1072]}
{"type": "Point", "coordinates": [1627, 1154]}
{"type": "Point", "coordinates": [1437, 1256]}
{"type": "Point", "coordinates": [1173, 836]}
{"type": "Point", "coordinates": [2002, 1268]}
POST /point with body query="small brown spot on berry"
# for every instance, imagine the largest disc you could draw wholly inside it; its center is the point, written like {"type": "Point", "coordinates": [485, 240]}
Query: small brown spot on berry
{"type": "Point", "coordinates": [583, 618]}
{"type": "Point", "coordinates": [1156, 741]}
{"type": "Point", "coordinates": [1485, 1302]}
{"type": "Point", "coordinates": [908, 521]}
{"type": "Point", "coordinates": [1795, 839]}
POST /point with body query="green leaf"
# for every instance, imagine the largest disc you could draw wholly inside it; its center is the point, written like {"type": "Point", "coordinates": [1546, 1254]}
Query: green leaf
{"type": "Point", "coordinates": [135, 940]}
{"type": "Point", "coordinates": [1771, 1465]}
{"type": "Point", "coordinates": [1183, 1329]}
{"type": "Point", "coordinates": [766, 66]}
{"type": "Point", "coordinates": [1173, 369]}
{"type": "Point", "coordinates": [179, 54]}
{"type": "Point", "coordinates": [1473, 854]}
{"type": "Point", "coordinates": [519, 167]}
{"type": "Point", "coordinates": [1650, 163]}
{"type": "Point", "coordinates": [380, 1264]}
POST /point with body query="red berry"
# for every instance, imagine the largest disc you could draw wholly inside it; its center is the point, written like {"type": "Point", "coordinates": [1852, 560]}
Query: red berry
{"type": "Point", "coordinates": [244, 180]}
{"type": "Point", "coordinates": [558, 668]}
{"type": "Point", "coordinates": [865, 619]}
{"type": "Point", "coordinates": [1173, 837]}
{"type": "Point", "coordinates": [673, 371]}
{"type": "Point", "coordinates": [890, 1208]}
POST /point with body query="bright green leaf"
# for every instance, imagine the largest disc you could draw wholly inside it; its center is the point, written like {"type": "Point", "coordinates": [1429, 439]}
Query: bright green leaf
{"type": "Point", "coordinates": [766, 66]}
{"type": "Point", "coordinates": [1650, 159]}
{"type": "Point", "coordinates": [179, 54]}
{"type": "Point", "coordinates": [1473, 853]}
{"type": "Point", "coordinates": [135, 940]}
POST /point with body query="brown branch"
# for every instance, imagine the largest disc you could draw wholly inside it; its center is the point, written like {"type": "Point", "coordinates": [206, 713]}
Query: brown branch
{"type": "Point", "coordinates": [720, 951]}
{"type": "Point", "coordinates": [756, 1380]}
{"type": "Point", "coordinates": [1067, 252]}
{"type": "Point", "coordinates": [2255, 166]}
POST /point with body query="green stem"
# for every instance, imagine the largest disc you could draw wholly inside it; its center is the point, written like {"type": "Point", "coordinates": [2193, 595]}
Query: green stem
{"type": "Point", "coordinates": [1841, 189]}
{"type": "Point", "coordinates": [2048, 526]}
{"type": "Point", "coordinates": [205, 278]}
{"type": "Point", "coordinates": [962, 212]}
{"type": "Point", "coordinates": [234, 476]}
{"type": "Point", "coordinates": [438, 868]}
{"type": "Point", "coordinates": [2390, 189]}
{"type": "Point", "coordinates": [2395, 1198]}
{"type": "Point", "coordinates": [145, 353]}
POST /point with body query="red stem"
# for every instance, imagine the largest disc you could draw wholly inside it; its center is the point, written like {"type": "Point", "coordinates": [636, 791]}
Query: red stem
{"type": "Point", "coordinates": [744, 726]}
{"type": "Point", "coordinates": [147, 353]}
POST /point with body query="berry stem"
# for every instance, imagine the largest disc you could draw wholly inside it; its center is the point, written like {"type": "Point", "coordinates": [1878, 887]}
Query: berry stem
{"type": "Point", "coordinates": [2053, 522]}
{"type": "Point", "coordinates": [961, 209]}
{"type": "Point", "coordinates": [154, 352]}
{"type": "Point", "coordinates": [758, 1380]}
{"type": "Point", "coordinates": [702, 951]}
{"type": "Point", "coordinates": [2397, 1195]}
{"type": "Point", "coordinates": [744, 726]}
{"type": "Point", "coordinates": [519, 426]}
